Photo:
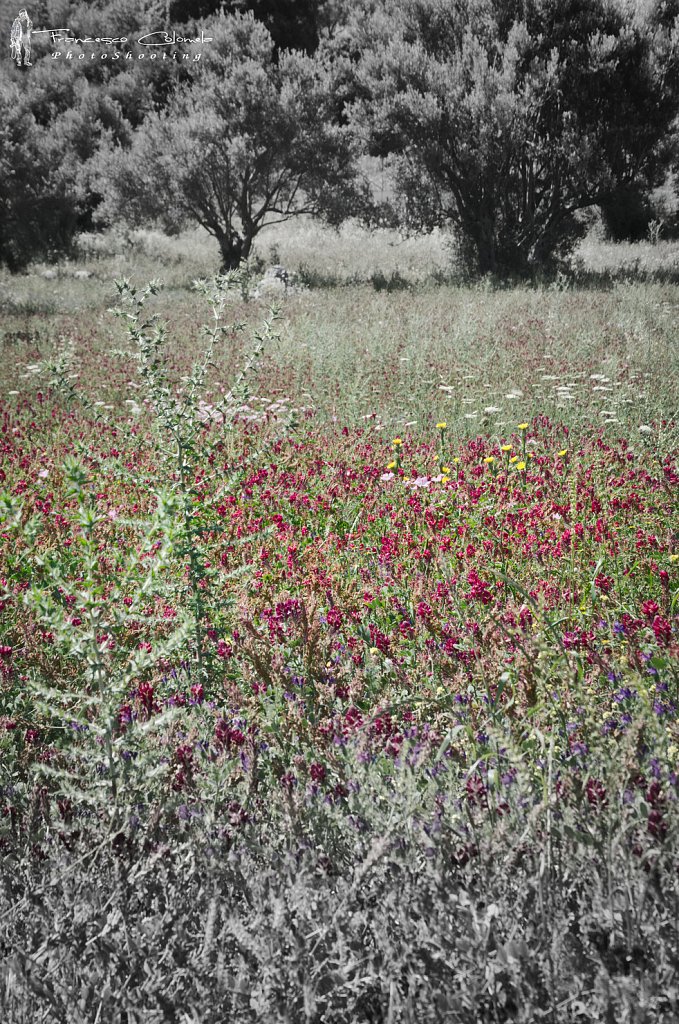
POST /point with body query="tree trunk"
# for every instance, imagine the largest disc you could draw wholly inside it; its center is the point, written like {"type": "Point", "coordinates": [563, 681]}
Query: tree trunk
{"type": "Point", "coordinates": [484, 241]}
{"type": "Point", "coordinates": [234, 248]}
{"type": "Point", "coordinates": [231, 248]}
{"type": "Point", "coordinates": [497, 254]}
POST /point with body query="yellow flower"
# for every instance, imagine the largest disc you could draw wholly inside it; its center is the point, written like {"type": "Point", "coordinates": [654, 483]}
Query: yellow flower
{"type": "Point", "coordinates": [391, 465]}
{"type": "Point", "coordinates": [562, 453]}
{"type": "Point", "coordinates": [514, 458]}
{"type": "Point", "coordinates": [397, 441]}
{"type": "Point", "coordinates": [521, 465]}
{"type": "Point", "coordinates": [506, 448]}
{"type": "Point", "coordinates": [489, 460]}
{"type": "Point", "coordinates": [456, 459]}
{"type": "Point", "coordinates": [674, 558]}
{"type": "Point", "coordinates": [442, 425]}
{"type": "Point", "coordinates": [445, 469]}
{"type": "Point", "coordinates": [374, 651]}
{"type": "Point", "coordinates": [523, 426]}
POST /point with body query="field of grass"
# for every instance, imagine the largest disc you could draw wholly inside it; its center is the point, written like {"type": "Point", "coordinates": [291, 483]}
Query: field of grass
{"type": "Point", "coordinates": [338, 646]}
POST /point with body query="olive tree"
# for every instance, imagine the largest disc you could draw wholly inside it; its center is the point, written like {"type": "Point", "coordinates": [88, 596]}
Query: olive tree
{"type": "Point", "coordinates": [39, 200]}
{"type": "Point", "coordinates": [506, 117]}
{"type": "Point", "coordinates": [253, 141]}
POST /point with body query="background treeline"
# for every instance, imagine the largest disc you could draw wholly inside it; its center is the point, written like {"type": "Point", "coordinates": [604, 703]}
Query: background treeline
{"type": "Point", "coordinates": [505, 119]}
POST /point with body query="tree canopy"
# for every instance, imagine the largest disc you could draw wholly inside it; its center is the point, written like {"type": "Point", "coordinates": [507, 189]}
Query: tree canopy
{"type": "Point", "coordinates": [39, 198]}
{"type": "Point", "coordinates": [502, 118]}
{"type": "Point", "coordinates": [507, 118]}
{"type": "Point", "coordinates": [252, 141]}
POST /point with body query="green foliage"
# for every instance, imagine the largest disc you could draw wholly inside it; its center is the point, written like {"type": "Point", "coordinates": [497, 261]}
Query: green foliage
{"type": "Point", "coordinates": [507, 119]}
{"type": "Point", "coordinates": [159, 557]}
{"type": "Point", "coordinates": [253, 141]}
{"type": "Point", "coordinates": [180, 420]}
{"type": "Point", "coordinates": [57, 114]}
{"type": "Point", "coordinates": [293, 24]}
{"type": "Point", "coordinates": [626, 214]}
{"type": "Point", "coordinates": [54, 118]}
{"type": "Point", "coordinates": [39, 207]}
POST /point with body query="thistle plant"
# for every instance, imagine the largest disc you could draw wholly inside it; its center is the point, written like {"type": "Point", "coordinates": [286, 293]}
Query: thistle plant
{"type": "Point", "coordinates": [101, 684]}
{"type": "Point", "coordinates": [180, 417]}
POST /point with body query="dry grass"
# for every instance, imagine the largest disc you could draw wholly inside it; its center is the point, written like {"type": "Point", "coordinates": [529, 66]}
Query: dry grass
{"type": "Point", "coordinates": [629, 260]}
{"type": "Point", "coordinates": [321, 256]}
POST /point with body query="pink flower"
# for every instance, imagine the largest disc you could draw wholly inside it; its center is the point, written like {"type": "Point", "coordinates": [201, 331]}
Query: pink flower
{"type": "Point", "coordinates": [603, 583]}
{"type": "Point", "coordinates": [662, 630]}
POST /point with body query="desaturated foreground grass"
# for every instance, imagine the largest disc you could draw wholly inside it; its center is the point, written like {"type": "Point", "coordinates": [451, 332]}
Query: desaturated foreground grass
{"type": "Point", "coordinates": [347, 691]}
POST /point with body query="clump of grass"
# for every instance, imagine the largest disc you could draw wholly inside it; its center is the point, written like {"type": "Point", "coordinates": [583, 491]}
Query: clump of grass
{"type": "Point", "coordinates": [387, 904]}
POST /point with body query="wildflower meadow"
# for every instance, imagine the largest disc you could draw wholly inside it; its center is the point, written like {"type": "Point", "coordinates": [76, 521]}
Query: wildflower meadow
{"type": "Point", "coordinates": [338, 654]}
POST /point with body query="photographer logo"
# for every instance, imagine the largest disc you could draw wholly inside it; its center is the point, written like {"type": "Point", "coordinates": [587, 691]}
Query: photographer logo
{"type": "Point", "coordinates": [160, 45]}
{"type": "Point", "coordinates": [20, 39]}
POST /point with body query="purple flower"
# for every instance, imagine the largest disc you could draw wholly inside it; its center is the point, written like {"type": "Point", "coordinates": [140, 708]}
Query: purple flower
{"type": "Point", "coordinates": [625, 693]}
